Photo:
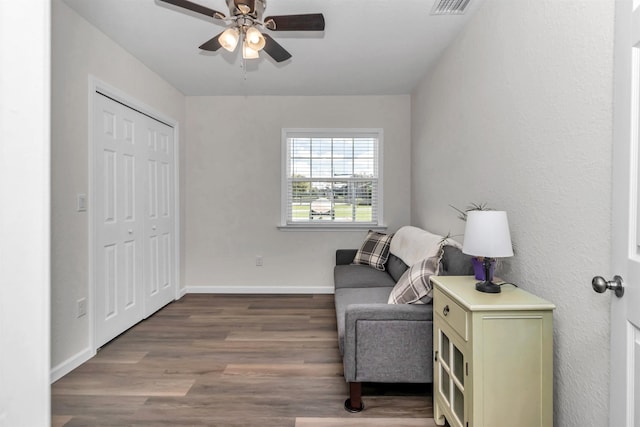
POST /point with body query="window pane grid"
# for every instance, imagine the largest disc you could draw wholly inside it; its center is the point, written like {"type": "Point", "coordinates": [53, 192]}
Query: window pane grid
{"type": "Point", "coordinates": [332, 157]}
{"type": "Point", "coordinates": [332, 179]}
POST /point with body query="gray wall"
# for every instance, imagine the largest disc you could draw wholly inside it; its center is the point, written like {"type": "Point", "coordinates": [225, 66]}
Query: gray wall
{"type": "Point", "coordinates": [232, 197]}
{"type": "Point", "coordinates": [78, 50]}
{"type": "Point", "coordinates": [518, 113]}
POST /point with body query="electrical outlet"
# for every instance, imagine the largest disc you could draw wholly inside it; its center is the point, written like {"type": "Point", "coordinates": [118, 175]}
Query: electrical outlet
{"type": "Point", "coordinates": [259, 261]}
{"type": "Point", "coordinates": [82, 307]}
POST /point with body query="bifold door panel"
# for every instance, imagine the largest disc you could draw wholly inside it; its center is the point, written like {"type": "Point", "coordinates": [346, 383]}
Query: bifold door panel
{"type": "Point", "coordinates": [134, 220]}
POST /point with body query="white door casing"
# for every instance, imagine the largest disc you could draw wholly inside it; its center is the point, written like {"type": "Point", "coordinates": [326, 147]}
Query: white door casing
{"type": "Point", "coordinates": [134, 261]}
{"type": "Point", "coordinates": [625, 315]}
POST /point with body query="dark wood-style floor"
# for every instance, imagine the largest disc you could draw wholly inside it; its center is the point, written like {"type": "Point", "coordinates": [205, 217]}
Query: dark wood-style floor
{"type": "Point", "coordinates": [230, 360]}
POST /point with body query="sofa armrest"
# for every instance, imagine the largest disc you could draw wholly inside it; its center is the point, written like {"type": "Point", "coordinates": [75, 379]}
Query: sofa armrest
{"type": "Point", "coordinates": [379, 311]}
{"type": "Point", "coordinates": [388, 343]}
{"type": "Point", "coordinates": [345, 256]}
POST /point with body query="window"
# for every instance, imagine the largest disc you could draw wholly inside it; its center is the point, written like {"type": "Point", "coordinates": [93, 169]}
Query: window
{"type": "Point", "coordinates": [332, 178]}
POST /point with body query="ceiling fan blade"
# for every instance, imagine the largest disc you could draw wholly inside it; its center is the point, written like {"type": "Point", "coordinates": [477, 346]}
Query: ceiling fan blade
{"type": "Point", "coordinates": [186, 4]}
{"type": "Point", "coordinates": [308, 22]}
{"type": "Point", "coordinates": [212, 44]}
{"type": "Point", "coordinates": [274, 49]}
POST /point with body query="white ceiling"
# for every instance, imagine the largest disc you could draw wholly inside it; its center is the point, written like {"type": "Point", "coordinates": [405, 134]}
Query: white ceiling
{"type": "Point", "coordinates": [369, 47]}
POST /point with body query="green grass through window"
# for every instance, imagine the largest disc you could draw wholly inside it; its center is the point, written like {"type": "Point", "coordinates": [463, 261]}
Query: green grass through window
{"type": "Point", "coordinates": [343, 212]}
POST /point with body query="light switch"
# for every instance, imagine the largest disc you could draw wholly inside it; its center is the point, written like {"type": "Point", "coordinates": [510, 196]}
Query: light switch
{"type": "Point", "coordinates": [82, 202]}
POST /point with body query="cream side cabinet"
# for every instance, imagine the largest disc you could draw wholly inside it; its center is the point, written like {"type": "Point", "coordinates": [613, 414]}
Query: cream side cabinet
{"type": "Point", "coordinates": [493, 356]}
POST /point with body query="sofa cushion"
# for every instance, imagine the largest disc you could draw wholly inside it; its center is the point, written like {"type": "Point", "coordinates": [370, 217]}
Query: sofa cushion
{"type": "Point", "coordinates": [374, 250]}
{"type": "Point", "coordinates": [414, 287]}
{"type": "Point", "coordinates": [396, 267]}
{"type": "Point", "coordinates": [345, 256]}
{"type": "Point", "coordinates": [360, 276]}
{"type": "Point", "coordinates": [346, 296]}
{"type": "Point", "coordinates": [455, 262]}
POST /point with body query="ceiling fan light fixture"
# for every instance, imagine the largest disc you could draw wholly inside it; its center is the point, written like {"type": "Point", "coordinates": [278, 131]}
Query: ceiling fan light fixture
{"type": "Point", "coordinates": [248, 52]}
{"type": "Point", "coordinates": [245, 23]}
{"type": "Point", "coordinates": [229, 39]}
{"type": "Point", "coordinates": [254, 39]}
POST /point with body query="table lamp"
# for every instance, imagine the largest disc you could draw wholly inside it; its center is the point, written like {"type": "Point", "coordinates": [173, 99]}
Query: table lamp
{"type": "Point", "coordinates": [487, 235]}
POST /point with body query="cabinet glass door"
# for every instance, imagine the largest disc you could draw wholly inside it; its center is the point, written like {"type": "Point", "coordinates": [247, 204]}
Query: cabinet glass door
{"type": "Point", "coordinates": [451, 370]}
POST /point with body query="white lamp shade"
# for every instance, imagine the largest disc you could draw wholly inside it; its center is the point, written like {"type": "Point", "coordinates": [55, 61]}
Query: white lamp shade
{"type": "Point", "coordinates": [248, 53]}
{"type": "Point", "coordinates": [229, 39]}
{"type": "Point", "coordinates": [254, 39]}
{"type": "Point", "coordinates": [487, 234]}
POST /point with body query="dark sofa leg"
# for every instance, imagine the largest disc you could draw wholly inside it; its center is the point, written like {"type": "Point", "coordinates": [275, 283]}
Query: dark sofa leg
{"type": "Point", "coordinates": [354, 402]}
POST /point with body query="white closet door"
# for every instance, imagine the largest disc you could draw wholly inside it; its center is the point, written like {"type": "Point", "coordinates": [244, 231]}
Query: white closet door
{"type": "Point", "coordinates": [134, 260]}
{"type": "Point", "coordinates": [159, 216]}
{"type": "Point", "coordinates": [118, 219]}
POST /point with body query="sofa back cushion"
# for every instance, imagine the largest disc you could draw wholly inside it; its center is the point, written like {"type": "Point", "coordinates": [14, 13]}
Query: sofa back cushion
{"type": "Point", "coordinates": [455, 263]}
{"type": "Point", "coordinates": [396, 267]}
{"type": "Point", "coordinates": [360, 276]}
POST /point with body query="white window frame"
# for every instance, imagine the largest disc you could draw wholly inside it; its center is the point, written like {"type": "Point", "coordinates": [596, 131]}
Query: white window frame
{"type": "Point", "coordinates": [286, 223]}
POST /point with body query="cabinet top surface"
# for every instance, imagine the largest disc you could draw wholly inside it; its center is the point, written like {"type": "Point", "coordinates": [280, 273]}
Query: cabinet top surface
{"type": "Point", "coordinates": [463, 290]}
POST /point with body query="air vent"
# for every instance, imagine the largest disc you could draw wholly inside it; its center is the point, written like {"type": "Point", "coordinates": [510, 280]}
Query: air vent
{"type": "Point", "coordinates": [449, 7]}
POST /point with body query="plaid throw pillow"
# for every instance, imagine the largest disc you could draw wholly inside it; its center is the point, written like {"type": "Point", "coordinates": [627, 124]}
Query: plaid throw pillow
{"type": "Point", "coordinates": [414, 287]}
{"type": "Point", "coordinates": [374, 251]}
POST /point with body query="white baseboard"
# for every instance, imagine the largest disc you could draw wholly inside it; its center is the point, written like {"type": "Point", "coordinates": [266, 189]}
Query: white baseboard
{"type": "Point", "coordinates": [181, 292]}
{"type": "Point", "coordinates": [259, 290]}
{"type": "Point", "coordinates": [70, 364]}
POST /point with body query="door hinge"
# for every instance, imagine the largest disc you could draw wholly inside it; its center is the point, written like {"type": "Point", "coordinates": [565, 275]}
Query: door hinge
{"type": "Point", "coordinates": [467, 369]}
{"type": "Point", "coordinates": [435, 356]}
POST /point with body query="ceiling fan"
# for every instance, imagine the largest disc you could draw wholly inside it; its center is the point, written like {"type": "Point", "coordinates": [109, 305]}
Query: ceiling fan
{"type": "Point", "coordinates": [244, 23]}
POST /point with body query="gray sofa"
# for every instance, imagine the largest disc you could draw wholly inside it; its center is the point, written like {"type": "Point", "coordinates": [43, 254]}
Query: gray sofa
{"type": "Point", "coordinates": [380, 342]}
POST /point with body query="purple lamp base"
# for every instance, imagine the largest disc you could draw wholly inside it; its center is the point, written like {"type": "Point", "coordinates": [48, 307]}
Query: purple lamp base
{"type": "Point", "coordinates": [478, 268]}
{"type": "Point", "coordinates": [488, 286]}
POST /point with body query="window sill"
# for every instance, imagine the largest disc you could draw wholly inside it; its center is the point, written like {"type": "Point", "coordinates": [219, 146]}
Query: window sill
{"type": "Point", "coordinates": [331, 227]}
